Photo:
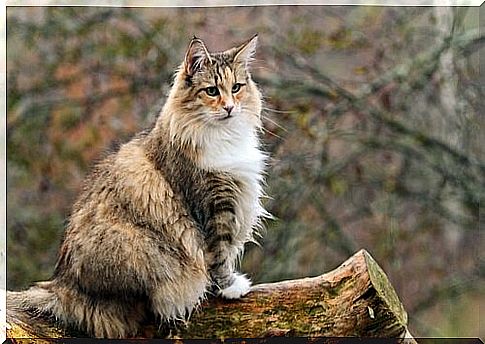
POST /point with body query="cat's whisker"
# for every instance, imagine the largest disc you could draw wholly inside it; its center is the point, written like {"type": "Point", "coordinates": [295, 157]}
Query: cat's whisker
{"type": "Point", "coordinates": [250, 111]}
{"type": "Point", "coordinates": [278, 111]}
{"type": "Point", "coordinates": [271, 133]}
{"type": "Point", "coordinates": [275, 123]}
{"type": "Point", "coordinates": [269, 120]}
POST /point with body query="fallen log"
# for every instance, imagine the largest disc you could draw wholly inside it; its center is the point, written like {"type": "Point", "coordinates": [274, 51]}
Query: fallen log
{"type": "Point", "coordinates": [354, 300]}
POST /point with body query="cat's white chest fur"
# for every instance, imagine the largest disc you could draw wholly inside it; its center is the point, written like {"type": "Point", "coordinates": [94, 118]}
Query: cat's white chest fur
{"type": "Point", "coordinates": [237, 154]}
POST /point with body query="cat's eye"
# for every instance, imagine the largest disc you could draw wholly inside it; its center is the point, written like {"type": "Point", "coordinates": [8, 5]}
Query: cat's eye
{"type": "Point", "coordinates": [212, 91]}
{"type": "Point", "coordinates": [236, 87]}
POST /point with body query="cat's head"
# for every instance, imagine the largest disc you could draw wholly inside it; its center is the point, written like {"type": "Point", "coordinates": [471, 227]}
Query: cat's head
{"type": "Point", "coordinates": [214, 91]}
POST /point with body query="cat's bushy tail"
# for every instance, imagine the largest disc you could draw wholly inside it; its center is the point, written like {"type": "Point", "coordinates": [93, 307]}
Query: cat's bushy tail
{"type": "Point", "coordinates": [72, 308]}
{"type": "Point", "coordinates": [24, 306]}
{"type": "Point", "coordinates": [37, 300]}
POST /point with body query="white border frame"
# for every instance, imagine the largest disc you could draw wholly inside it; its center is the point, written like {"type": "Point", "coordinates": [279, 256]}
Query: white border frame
{"type": "Point", "coordinates": [138, 3]}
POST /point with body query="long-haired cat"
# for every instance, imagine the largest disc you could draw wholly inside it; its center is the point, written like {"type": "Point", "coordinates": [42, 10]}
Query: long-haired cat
{"type": "Point", "coordinates": [164, 219]}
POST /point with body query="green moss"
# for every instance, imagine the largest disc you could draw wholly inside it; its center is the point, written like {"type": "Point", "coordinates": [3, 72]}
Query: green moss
{"type": "Point", "coordinates": [384, 289]}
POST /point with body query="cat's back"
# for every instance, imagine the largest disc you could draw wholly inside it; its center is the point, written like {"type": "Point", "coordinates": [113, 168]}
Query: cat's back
{"type": "Point", "coordinates": [126, 187]}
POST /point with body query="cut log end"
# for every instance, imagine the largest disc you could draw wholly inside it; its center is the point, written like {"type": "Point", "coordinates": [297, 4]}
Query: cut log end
{"type": "Point", "coordinates": [354, 300]}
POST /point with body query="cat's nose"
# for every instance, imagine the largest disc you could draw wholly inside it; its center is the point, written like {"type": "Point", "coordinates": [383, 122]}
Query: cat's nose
{"type": "Point", "coordinates": [228, 108]}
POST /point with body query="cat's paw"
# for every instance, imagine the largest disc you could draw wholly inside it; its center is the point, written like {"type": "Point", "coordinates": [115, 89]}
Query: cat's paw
{"type": "Point", "coordinates": [238, 288]}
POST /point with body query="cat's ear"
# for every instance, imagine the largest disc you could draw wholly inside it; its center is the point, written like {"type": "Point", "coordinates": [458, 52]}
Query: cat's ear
{"type": "Point", "coordinates": [196, 56]}
{"type": "Point", "coordinates": [245, 52]}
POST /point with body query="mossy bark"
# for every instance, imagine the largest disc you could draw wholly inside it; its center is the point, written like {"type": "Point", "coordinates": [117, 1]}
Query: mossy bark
{"type": "Point", "coordinates": [356, 299]}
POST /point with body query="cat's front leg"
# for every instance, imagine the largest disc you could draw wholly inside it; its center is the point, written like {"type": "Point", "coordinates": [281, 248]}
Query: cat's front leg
{"type": "Point", "coordinates": [222, 252]}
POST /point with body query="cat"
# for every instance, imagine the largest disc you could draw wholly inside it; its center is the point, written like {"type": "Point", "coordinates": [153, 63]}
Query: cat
{"type": "Point", "coordinates": [163, 221]}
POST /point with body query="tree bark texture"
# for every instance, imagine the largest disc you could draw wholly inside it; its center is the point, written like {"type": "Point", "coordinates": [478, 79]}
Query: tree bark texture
{"type": "Point", "coordinates": [354, 300]}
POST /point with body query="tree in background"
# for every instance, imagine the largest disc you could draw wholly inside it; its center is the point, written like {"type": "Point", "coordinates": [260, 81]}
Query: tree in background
{"type": "Point", "coordinates": [373, 116]}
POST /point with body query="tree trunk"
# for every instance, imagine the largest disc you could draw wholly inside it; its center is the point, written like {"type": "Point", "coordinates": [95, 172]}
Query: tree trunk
{"type": "Point", "coordinates": [356, 299]}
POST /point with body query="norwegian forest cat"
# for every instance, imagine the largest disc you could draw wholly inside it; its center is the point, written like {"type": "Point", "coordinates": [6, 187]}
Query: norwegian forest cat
{"type": "Point", "coordinates": [164, 219]}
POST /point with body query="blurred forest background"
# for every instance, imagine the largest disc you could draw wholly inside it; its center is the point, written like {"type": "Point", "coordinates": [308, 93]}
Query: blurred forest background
{"type": "Point", "coordinates": [374, 117]}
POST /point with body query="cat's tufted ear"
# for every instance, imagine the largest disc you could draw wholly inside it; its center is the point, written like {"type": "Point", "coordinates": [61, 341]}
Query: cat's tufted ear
{"type": "Point", "coordinates": [245, 52]}
{"type": "Point", "coordinates": [196, 56]}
